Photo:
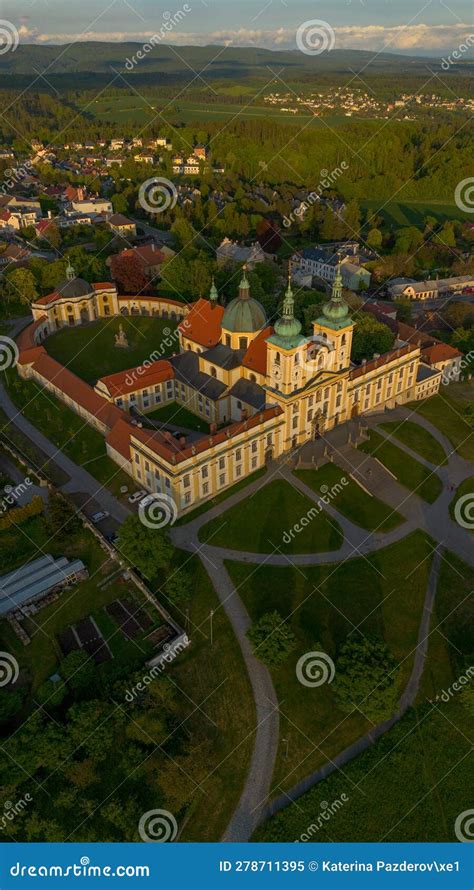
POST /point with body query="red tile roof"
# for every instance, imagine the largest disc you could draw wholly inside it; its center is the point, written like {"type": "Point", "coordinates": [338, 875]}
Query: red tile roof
{"type": "Point", "coordinates": [49, 298]}
{"type": "Point", "coordinates": [103, 285]}
{"type": "Point", "coordinates": [439, 352]}
{"type": "Point", "coordinates": [173, 452]}
{"type": "Point", "coordinates": [26, 340]}
{"type": "Point", "coordinates": [119, 437]}
{"type": "Point", "coordinates": [77, 389]}
{"type": "Point", "coordinates": [383, 360]}
{"type": "Point", "coordinates": [256, 356]}
{"type": "Point", "coordinates": [148, 254]}
{"type": "Point", "coordinates": [203, 324]}
{"type": "Point", "coordinates": [154, 300]}
{"type": "Point", "coordinates": [138, 378]}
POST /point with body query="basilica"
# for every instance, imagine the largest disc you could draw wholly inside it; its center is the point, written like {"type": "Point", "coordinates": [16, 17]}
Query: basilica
{"type": "Point", "coordinates": [261, 389]}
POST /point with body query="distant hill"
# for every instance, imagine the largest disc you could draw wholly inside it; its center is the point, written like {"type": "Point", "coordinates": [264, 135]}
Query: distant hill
{"type": "Point", "coordinates": [90, 60]}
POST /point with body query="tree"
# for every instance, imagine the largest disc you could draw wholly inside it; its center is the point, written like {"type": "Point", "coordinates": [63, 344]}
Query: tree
{"type": "Point", "coordinates": [370, 336]}
{"type": "Point", "coordinates": [184, 233]}
{"type": "Point", "coordinates": [271, 638]}
{"type": "Point", "coordinates": [129, 274]}
{"type": "Point", "coordinates": [178, 586]}
{"type": "Point", "coordinates": [268, 235]}
{"type": "Point", "coordinates": [21, 285]}
{"type": "Point", "coordinates": [374, 239]}
{"type": "Point", "coordinates": [404, 310]}
{"type": "Point", "coordinates": [62, 519]}
{"type": "Point", "coordinates": [366, 679]}
{"type": "Point", "coordinates": [78, 671]}
{"type": "Point", "coordinates": [146, 548]}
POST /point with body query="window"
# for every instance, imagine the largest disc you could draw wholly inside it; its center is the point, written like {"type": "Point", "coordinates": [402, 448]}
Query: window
{"type": "Point", "coordinates": [137, 458]}
{"type": "Point", "coordinates": [133, 397]}
{"type": "Point", "coordinates": [228, 340]}
{"type": "Point", "coordinates": [338, 401]}
{"type": "Point", "coordinates": [205, 488]}
{"type": "Point", "coordinates": [222, 479]}
{"type": "Point", "coordinates": [254, 463]}
{"type": "Point", "coordinates": [186, 481]}
{"type": "Point", "coordinates": [243, 342]}
{"type": "Point", "coordinates": [295, 423]}
{"type": "Point", "coordinates": [187, 497]}
{"type": "Point", "coordinates": [222, 463]}
{"type": "Point", "coordinates": [147, 466]}
{"type": "Point", "coordinates": [254, 447]}
{"type": "Point", "coordinates": [204, 472]}
{"type": "Point", "coordinates": [277, 358]}
{"type": "Point", "coordinates": [238, 471]}
{"type": "Point", "coordinates": [296, 408]}
{"type": "Point", "coordinates": [310, 401]}
{"type": "Point", "coordinates": [253, 378]}
{"type": "Point", "coordinates": [119, 403]}
{"type": "Point", "coordinates": [213, 372]}
{"type": "Point", "coordinates": [310, 415]}
{"type": "Point", "coordinates": [238, 454]}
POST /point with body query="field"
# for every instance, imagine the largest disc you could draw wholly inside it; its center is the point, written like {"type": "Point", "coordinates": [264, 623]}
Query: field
{"type": "Point", "coordinates": [413, 213]}
{"type": "Point", "coordinates": [179, 416]}
{"type": "Point", "coordinates": [446, 412]}
{"type": "Point", "coordinates": [262, 523]}
{"type": "Point", "coordinates": [352, 501]}
{"type": "Point", "coordinates": [416, 776]}
{"type": "Point", "coordinates": [90, 351]}
{"type": "Point", "coordinates": [324, 606]}
{"type": "Point", "coordinates": [408, 471]}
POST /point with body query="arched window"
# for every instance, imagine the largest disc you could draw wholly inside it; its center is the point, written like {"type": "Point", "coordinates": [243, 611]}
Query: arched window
{"type": "Point", "coordinates": [277, 358]}
{"type": "Point", "coordinates": [105, 298]}
{"type": "Point", "coordinates": [253, 378]}
{"type": "Point", "coordinates": [213, 372]}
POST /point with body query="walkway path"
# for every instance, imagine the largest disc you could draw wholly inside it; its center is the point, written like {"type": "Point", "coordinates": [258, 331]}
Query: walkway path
{"type": "Point", "coordinates": [257, 787]}
{"type": "Point", "coordinates": [406, 701]}
{"type": "Point", "coordinates": [79, 479]}
{"type": "Point", "coordinates": [434, 519]}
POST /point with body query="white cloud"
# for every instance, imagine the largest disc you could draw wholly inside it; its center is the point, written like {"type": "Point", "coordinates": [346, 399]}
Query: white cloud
{"type": "Point", "coordinates": [411, 38]}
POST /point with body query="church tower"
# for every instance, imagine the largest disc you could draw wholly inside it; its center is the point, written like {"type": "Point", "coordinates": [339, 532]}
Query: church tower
{"type": "Point", "coordinates": [336, 325]}
{"type": "Point", "coordinates": [283, 358]}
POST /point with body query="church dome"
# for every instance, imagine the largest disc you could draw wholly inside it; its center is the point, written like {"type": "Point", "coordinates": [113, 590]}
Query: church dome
{"type": "Point", "coordinates": [72, 286]}
{"type": "Point", "coordinates": [244, 315]}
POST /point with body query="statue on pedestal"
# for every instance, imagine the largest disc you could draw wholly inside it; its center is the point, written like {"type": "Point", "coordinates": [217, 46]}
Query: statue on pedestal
{"type": "Point", "coordinates": [121, 339]}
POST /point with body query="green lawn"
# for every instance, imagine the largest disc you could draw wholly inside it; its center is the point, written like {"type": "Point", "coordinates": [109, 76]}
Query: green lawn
{"type": "Point", "coordinates": [466, 488]}
{"type": "Point", "coordinates": [90, 351]}
{"type": "Point", "coordinates": [180, 416]}
{"type": "Point", "coordinates": [427, 748]}
{"type": "Point", "coordinates": [69, 432]}
{"type": "Point", "coordinates": [409, 472]}
{"type": "Point", "coordinates": [381, 596]}
{"type": "Point", "coordinates": [217, 705]}
{"type": "Point", "coordinates": [418, 439]}
{"type": "Point", "coordinates": [352, 501]}
{"type": "Point", "coordinates": [413, 213]}
{"type": "Point", "coordinates": [264, 523]}
{"type": "Point", "coordinates": [445, 411]}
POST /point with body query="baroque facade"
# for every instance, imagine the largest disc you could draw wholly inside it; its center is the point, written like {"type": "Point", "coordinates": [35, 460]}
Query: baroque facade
{"type": "Point", "coordinates": [263, 389]}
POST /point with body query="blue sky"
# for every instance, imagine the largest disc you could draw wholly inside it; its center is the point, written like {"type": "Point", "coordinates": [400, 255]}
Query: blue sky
{"type": "Point", "coordinates": [410, 26]}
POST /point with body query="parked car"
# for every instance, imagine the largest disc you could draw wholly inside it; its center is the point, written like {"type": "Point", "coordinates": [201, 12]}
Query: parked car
{"type": "Point", "coordinates": [136, 496]}
{"type": "Point", "coordinates": [97, 517]}
{"type": "Point", "coordinates": [148, 500]}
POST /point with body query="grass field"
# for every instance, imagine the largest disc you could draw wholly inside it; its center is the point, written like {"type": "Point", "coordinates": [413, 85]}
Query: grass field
{"type": "Point", "coordinates": [408, 471]}
{"type": "Point", "coordinates": [90, 351]}
{"type": "Point", "coordinates": [465, 511]}
{"type": "Point", "coordinates": [69, 432]}
{"type": "Point", "coordinates": [445, 411]}
{"type": "Point", "coordinates": [380, 597]}
{"type": "Point", "coordinates": [262, 522]}
{"type": "Point", "coordinates": [418, 439]}
{"type": "Point", "coordinates": [413, 213]}
{"type": "Point", "coordinates": [352, 501]}
{"type": "Point", "coordinates": [218, 708]}
{"type": "Point", "coordinates": [415, 775]}
{"type": "Point", "coordinates": [180, 416]}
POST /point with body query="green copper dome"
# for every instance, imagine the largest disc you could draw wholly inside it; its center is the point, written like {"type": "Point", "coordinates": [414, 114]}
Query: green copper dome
{"type": "Point", "coordinates": [336, 311]}
{"type": "Point", "coordinates": [244, 315]}
{"type": "Point", "coordinates": [287, 328]}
